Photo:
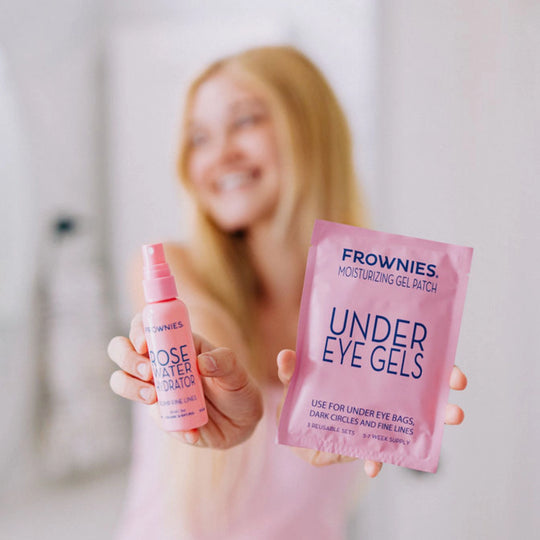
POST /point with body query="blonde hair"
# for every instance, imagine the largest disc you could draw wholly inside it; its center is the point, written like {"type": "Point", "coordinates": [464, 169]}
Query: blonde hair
{"type": "Point", "coordinates": [316, 152]}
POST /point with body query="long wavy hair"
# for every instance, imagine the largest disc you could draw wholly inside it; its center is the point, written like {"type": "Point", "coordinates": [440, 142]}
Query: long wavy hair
{"type": "Point", "coordinates": [314, 142]}
{"type": "Point", "coordinates": [315, 148]}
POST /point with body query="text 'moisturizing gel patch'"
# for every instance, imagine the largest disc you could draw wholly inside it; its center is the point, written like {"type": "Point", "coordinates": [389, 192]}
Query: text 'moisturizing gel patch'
{"type": "Point", "coordinates": [377, 337]}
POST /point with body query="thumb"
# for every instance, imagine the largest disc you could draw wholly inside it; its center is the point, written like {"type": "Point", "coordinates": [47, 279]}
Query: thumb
{"type": "Point", "coordinates": [286, 362]}
{"type": "Point", "coordinates": [223, 365]}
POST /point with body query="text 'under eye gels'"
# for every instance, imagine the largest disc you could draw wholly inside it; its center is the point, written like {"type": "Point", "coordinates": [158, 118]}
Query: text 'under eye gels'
{"type": "Point", "coordinates": [377, 336]}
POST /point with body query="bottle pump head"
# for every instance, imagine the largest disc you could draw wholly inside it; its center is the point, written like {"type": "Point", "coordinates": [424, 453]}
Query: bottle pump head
{"type": "Point", "coordinates": [158, 282]}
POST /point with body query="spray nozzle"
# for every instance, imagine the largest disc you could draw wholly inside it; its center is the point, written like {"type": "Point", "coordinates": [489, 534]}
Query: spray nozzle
{"type": "Point", "coordinates": [158, 281]}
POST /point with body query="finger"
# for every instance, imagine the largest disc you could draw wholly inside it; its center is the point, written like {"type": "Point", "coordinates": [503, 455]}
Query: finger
{"type": "Point", "coordinates": [132, 388]}
{"type": "Point", "coordinates": [136, 334]}
{"type": "Point", "coordinates": [321, 459]}
{"type": "Point", "coordinates": [286, 361]}
{"type": "Point", "coordinates": [454, 415]}
{"type": "Point", "coordinates": [223, 366]}
{"type": "Point", "coordinates": [202, 344]}
{"type": "Point", "coordinates": [191, 437]}
{"type": "Point", "coordinates": [121, 352]}
{"type": "Point", "coordinates": [458, 381]}
{"type": "Point", "coordinates": [372, 468]}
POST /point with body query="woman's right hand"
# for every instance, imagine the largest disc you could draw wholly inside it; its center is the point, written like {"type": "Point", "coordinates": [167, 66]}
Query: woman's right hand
{"type": "Point", "coordinates": [233, 400]}
{"type": "Point", "coordinates": [286, 362]}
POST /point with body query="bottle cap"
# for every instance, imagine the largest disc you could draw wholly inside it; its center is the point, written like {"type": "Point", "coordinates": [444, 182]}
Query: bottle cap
{"type": "Point", "coordinates": [158, 282]}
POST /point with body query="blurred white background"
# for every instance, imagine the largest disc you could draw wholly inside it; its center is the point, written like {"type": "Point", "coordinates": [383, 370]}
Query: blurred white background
{"type": "Point", "coordinates": [443, 100]}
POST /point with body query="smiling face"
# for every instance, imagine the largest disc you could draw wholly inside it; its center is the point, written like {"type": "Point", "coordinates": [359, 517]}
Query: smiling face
{"type": "Point", "coordinates": [233, 163]}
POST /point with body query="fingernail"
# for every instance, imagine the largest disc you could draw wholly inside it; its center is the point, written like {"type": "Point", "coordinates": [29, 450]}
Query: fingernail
{"type": "Point", "coordinates": [142, 368]}
{"type": "Point", "coordinates": [145, 393]}
{"type": "Point", "coordinates": [372, 468]}
{"type": "Point", "coordinates": [190, 437]}
{"type": "Point", "coordinates": [209, 363]}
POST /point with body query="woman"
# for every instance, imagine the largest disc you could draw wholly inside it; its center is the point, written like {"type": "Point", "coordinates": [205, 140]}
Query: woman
{"type": "Point", "coordinates": [265, 150]}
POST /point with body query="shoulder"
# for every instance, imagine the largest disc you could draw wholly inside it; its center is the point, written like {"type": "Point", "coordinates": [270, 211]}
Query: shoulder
{"type": "Point", "coordinates": [181, 260]}
{"type": "Point", "coordinates": [208, 317]}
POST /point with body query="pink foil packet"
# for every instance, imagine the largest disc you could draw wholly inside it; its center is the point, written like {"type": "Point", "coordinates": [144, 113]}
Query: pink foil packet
{"type": "Point", "coordinates": [377, 336]}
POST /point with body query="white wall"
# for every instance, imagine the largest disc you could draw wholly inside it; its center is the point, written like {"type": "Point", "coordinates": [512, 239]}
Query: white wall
{"type": "Point", "coordinates": [153, 52]}
{"type": "Point", "coordinates": [460, 162]}
{"type": "Point", "coordinates": [52, 164]}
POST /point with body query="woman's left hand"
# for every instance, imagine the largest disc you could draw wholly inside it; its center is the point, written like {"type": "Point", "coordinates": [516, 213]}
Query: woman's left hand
{"type": "Point", "coordinates": [233, 399]}
{"type": "Point", "coordinates": [286, 361]}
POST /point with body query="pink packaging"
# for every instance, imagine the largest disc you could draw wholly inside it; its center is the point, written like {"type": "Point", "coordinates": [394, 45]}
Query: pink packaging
{"type": "Point", "coordinates": [171, 349]}
{"type": "Point", "coordinates": [377, 337]}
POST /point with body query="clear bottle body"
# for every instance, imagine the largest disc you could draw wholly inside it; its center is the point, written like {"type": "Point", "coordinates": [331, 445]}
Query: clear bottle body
{"type": "Point", "coordinates": [174, 365]}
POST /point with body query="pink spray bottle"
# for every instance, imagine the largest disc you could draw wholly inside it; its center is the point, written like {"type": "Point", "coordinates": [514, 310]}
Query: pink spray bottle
{"type": "Point", "coordinates": [170, 346]}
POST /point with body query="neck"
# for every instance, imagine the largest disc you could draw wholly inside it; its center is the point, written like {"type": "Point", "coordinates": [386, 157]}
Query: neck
{"type": "Point", "coordinates": [279, 265]}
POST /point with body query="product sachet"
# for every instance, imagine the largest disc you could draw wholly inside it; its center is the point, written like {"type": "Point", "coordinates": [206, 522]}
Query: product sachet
{"type": "Point", "coordinates": [377, 337]}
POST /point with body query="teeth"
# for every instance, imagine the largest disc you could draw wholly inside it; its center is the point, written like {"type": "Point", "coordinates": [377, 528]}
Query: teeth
{"type": "Point", "coordinates": [231, 181]}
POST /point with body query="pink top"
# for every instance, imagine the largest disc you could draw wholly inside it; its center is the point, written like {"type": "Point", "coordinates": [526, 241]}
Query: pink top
{"type": "Point", "coordinates": [291, 499]}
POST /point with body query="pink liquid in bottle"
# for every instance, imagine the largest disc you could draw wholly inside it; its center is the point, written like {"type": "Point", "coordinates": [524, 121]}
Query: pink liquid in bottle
{"type": "Point", "coordinates": [170, 347]}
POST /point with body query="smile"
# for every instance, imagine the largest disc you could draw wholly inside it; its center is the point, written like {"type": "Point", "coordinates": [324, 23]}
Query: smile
{"type": "Point", "coordinates": [236, 180]}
